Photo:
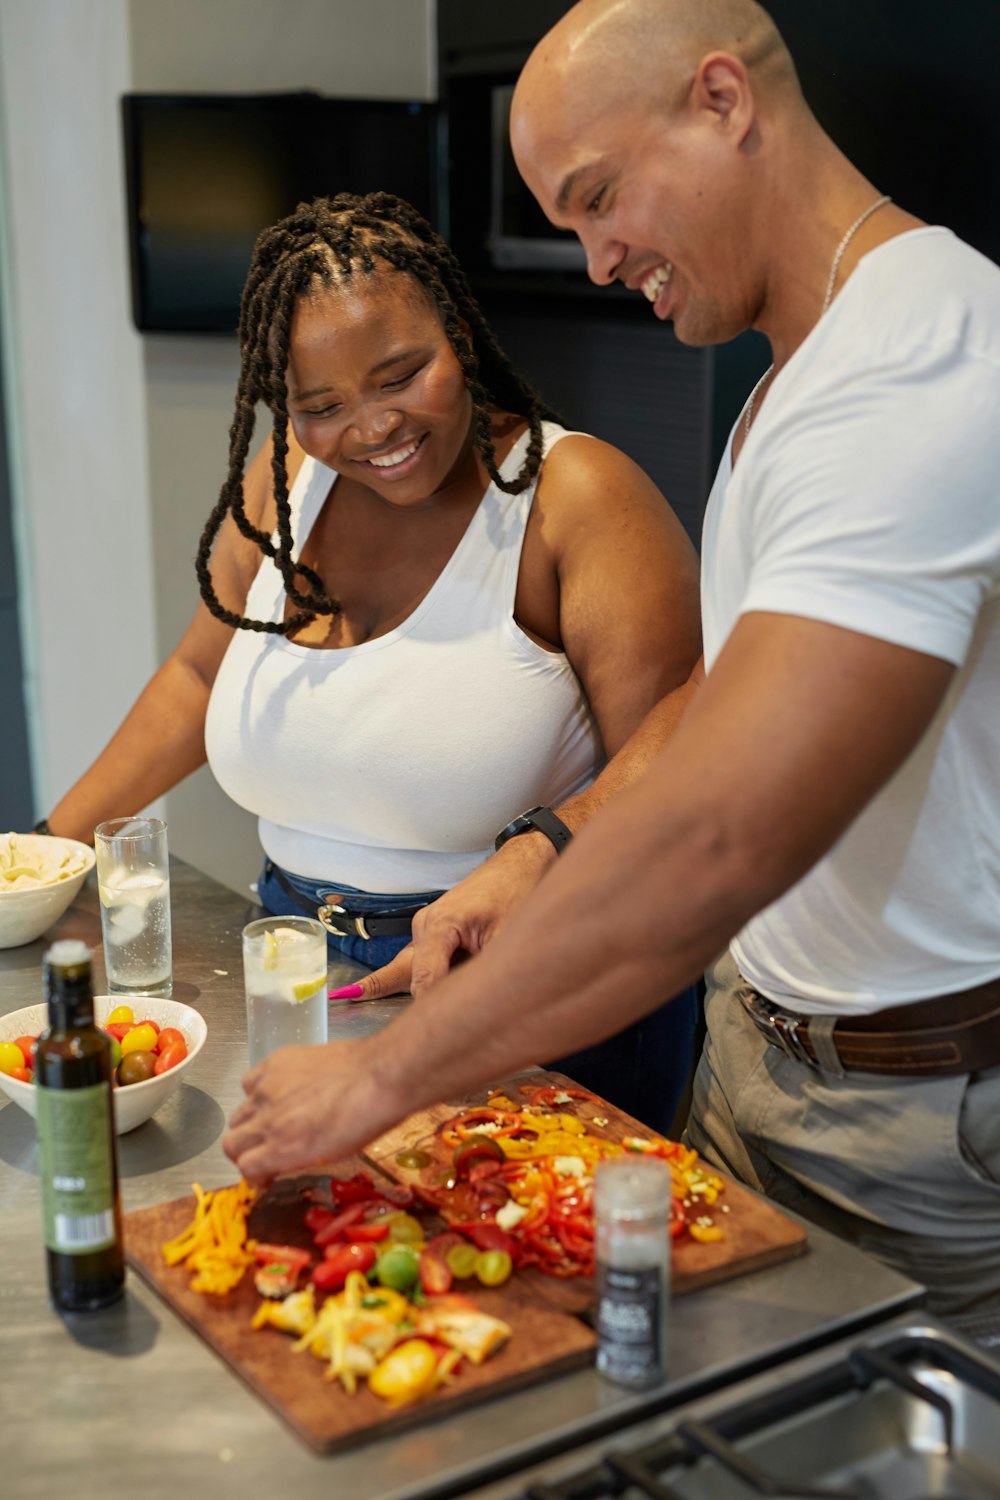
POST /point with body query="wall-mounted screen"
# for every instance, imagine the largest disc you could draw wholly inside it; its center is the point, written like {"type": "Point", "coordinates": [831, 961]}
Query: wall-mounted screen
{"type": "Point", "coordinates": [206, 173]}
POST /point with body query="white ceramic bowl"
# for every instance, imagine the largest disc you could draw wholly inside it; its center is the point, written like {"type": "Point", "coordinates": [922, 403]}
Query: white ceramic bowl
{"type": "Point", "coordinates": [135, 1103]}
{"type": "Point", "coordinates": [26, 913]}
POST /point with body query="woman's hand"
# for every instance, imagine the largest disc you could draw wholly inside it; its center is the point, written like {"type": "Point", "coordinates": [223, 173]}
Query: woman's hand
{"type": "Point", "coordinates": [305, 1105]}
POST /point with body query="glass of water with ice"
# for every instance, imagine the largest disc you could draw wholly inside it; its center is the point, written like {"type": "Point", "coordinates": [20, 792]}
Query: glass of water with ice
{"type": "Point", "coordinates": [133, 882]}
{"type": "Point", "coordinates": [284, 968]}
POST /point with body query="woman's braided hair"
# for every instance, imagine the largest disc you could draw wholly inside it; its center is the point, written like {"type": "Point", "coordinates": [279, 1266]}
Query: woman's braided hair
{"type": "Point", "coordinates": [319, 243]}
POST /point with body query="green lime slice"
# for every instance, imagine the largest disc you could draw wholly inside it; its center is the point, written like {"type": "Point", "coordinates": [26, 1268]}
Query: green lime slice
{"type": "Point", "coordinates": [308, 987]}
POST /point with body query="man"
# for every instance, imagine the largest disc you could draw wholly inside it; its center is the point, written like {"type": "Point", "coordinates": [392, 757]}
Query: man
{"type": "Point", "coordinates": [828, 803]}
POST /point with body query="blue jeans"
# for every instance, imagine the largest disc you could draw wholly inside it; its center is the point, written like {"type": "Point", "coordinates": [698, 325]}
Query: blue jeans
{"type": "Point", "coordinates": [374, 951]}
{"type": "Point", "coordinates": [643, 1069]}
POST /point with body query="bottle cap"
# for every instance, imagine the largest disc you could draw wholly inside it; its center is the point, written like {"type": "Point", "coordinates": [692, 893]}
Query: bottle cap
{"type": "Point", "coordinates": [632, 1187]}
{"type": "Point", "coordinates": [67, 953]}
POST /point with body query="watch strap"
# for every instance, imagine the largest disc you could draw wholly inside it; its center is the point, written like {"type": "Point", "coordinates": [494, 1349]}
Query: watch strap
{"type": "Point", "coordinates": [544, 820]}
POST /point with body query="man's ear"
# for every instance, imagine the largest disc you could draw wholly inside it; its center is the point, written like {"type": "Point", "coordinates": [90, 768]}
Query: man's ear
{"type": "Point", "coordinates": [721, 87]}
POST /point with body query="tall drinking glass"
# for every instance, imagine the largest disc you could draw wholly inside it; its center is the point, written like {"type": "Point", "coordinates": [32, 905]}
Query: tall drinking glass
{"type": "Point", "coordinates": [284, 969]}
{"type": "Point", "coordinates": [133, 882]}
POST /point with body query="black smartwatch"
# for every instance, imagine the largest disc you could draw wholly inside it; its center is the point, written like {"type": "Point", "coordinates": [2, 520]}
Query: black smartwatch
{"type": "Point", "coordinates": [542, 818]}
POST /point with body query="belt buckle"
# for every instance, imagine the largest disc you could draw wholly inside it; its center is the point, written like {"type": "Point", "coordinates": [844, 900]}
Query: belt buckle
{"type": "Point", "coordinates": [780, 1030]}
{"type": "Point", "coordinates": [349, 926]}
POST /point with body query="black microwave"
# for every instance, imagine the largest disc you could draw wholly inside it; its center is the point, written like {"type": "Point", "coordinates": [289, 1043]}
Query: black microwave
{"type": "Point", "coordinates": [520, 237]}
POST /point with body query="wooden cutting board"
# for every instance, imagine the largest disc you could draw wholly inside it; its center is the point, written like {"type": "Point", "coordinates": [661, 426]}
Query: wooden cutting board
{"type": "Point", "coordinates": [756, 1233]}
{"type": "Point", "coordinates": [548, 1335]}
{"type": "Point", "coordinates": [544, 1342]}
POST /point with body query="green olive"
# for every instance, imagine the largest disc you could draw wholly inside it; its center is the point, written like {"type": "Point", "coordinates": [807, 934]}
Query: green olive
{"type": "Point", "coordinates": [136, 1067]}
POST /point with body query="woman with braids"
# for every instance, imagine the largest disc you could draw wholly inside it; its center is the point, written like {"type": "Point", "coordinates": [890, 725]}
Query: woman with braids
{"type": "Point", "coordinates": [426, 608]}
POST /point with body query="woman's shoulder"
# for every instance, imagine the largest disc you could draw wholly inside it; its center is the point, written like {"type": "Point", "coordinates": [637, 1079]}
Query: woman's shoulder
{"type": "Point", "coordinates": [585, 472]}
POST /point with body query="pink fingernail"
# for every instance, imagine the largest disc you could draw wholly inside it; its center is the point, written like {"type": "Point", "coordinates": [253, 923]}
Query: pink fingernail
{"type": "Point", "coordinates": [349, 992]}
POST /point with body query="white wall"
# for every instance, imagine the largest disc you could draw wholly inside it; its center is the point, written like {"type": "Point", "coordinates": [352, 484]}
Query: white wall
{"type": "Point", "coordinates": [120, 439]}
{"type": "Point", "coordinates": [74, 381]}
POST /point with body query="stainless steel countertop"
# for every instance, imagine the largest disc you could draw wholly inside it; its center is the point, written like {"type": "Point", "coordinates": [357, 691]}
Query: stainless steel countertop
{"type": "Point", "coordinates": [130, 1401]}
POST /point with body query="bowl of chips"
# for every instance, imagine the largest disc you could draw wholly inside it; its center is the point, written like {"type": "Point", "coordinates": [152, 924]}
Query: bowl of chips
{"type": "Point", "coordinates": [39, 877]}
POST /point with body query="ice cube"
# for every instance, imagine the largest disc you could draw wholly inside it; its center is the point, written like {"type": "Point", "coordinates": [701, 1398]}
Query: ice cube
{"type": "Point", "coordinates": [125, 924]}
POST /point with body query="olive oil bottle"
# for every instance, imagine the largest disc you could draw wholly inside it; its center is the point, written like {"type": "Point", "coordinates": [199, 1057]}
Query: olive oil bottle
{"type": "Point", "coordinates": [76, 1138]}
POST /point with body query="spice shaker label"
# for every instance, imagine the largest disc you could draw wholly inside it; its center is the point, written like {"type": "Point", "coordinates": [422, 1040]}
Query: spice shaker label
{"type": "Point", "coordinates": [77, 1172]}
{"type": "Point", "coordinates": [629, 1323]}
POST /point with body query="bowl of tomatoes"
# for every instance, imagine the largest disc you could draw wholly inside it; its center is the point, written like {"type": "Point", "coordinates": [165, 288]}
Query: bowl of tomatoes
{"type": "Point", "coordinates": [154, 1042]}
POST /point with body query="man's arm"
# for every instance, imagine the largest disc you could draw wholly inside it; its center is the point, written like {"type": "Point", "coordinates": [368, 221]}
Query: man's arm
{"type": "Point", "coordinates": [796, 728]}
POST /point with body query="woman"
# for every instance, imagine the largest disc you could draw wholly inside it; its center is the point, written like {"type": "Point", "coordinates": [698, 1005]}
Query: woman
{"type": "Point", "coordinates": [460, 611]}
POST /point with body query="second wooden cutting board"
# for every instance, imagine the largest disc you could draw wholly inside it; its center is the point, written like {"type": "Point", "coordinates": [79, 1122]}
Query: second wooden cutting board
{"type": "Point", "coordinates": [755, 1233]}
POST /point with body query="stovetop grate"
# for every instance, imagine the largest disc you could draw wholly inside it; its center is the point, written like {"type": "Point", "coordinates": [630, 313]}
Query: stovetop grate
{"type": "Point", "coordinates": [906, 1430]}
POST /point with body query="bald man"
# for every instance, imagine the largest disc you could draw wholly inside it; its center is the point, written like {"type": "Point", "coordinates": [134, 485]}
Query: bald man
{"type": "Point", "coordinates": [826, 813]}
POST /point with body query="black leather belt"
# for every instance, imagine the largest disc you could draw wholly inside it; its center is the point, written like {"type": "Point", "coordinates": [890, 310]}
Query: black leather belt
{"type": "Point", "coordinates": [343, 922]}
{"type": "Point", "coordinates": [369, 924]}
{"type": "Point", "coordinates": [948, 1035]}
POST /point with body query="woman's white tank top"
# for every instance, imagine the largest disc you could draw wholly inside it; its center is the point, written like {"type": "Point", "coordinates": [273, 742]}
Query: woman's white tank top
{"type": "Point", "coordinates": [390, 766]}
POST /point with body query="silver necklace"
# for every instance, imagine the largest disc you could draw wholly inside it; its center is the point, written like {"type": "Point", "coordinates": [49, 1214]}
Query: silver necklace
{"type": "Point", "coordinates": [838, 256]}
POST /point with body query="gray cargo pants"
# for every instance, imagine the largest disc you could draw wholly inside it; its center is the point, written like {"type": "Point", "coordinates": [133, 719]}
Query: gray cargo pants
{"type": "Point", "coordinates": [907, 1169]}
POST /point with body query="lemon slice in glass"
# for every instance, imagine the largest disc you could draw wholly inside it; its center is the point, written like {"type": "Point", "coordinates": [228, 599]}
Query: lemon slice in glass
{"type": "Point", "coordinates": [270, 958]}
{"type": "Point", "coordinates": [308, 987]}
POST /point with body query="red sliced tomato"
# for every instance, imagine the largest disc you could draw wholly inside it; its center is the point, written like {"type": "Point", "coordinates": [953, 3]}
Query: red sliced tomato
{"type": "Point", "coordinates": [368, 1233]}
{"type": "Point", "coordinates": [435, 1272]}
{"type": "Point", "coordinates": [286, 1255]}
{"type": "Point", "coordinates": [316, 1216]}
{"type": "Point", "coordinates": [338, 1262]}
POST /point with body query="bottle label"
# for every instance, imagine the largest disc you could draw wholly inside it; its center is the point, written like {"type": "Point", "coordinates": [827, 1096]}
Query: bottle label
{"type": "Point", "coordinates": [77, 1168]}
{"type": "Point", "coordinates": [630, 1312]}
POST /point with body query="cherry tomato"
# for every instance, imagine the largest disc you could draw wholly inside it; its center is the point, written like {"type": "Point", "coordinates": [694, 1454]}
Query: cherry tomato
{"type": "Point", "coordinates": [11, 1059]}
{"type": "Point", "coordinates": [21, 1074]}
{"type": "Point", "coordinates": [120, 1014]}
{"type": "Point", "coordinates": [168, 1037]}
{"type": "Point", "coordinates": [28, 1046]}
{"type": "Point", "coordinates": [116, 1052]}
{"type": "Point", "coordinates": [119, 1029]}
{"type": "Point", "coordinates": [170, 1058]}
{"type": "Point", "coordinates": [139, 1039]}
{"type": "Point", "coordinates": [147, 1022]}
{"type": "Point", "coordinates": [136, 1067]}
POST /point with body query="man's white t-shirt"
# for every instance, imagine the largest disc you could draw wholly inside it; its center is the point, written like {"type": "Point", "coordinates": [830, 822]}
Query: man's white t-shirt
{"type": "Point", "coordinates": [867, 495]}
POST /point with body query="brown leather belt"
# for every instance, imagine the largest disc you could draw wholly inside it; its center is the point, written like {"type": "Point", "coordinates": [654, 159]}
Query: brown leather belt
{"type": "Point", "coordinates": [947, 1035]}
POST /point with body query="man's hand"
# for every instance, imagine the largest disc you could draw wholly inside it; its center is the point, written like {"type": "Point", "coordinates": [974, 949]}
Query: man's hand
{"type": "Point", "coordinates": [466, 918]}
{"type": "Point", "coordinates": [305, 1105]}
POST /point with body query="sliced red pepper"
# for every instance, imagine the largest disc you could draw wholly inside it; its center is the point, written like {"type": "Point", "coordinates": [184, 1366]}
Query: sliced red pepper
{"type": "Point", "coordinates": [472, 1121]}
{"type": "Point", "coordinates": [547, 1097]}
{"type": "Point", "coordinates": [678, 1218]}
{"type": "Point", "coordinates": [334, 1229]}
